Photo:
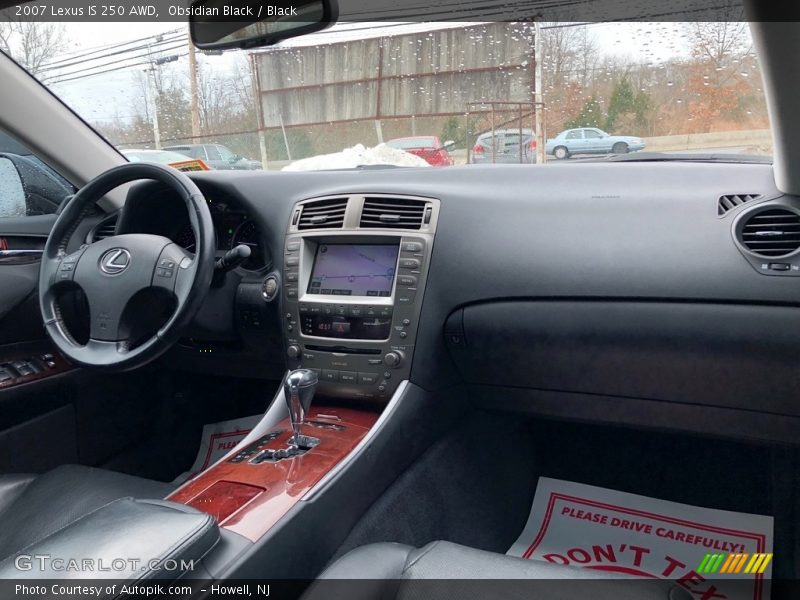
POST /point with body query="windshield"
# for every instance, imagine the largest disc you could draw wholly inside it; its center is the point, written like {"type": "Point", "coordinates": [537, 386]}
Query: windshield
{"type": "Point", "coordinates": [599, 90]}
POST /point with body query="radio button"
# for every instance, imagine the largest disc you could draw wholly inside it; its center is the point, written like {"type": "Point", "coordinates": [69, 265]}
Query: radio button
{"type": "Point", "coordinates": [348, 376]}
{"type": "Point", "coordinates": [392, 359]}
{"type": "Point", "coordinates": [409, 263]}
{"type": "Point", "coordinates": [406, 296]}
{"type": "Point", "coordinates": [407, 280]}
{"type": "Point", "coordinates": [293, 246]}
{"type": "Point", "coordinates": [292, 261]}
{"type": "Point", "coordinates": [367, 378]}
{"type": "Point", "coordinates": [291, 293]}
{"type": "Point", "coordinates": [291, 276]}
{"type": "Point", "coordinates": [411, 247]}
{"type": "Point", "coordinates": [328, 375]}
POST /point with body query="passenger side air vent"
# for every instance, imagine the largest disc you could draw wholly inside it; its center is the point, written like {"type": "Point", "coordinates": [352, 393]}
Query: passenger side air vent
{"type": "Point", "coordinates": [772, 233]}
{"type": "Point", "coordinates": [323, 214]}
{"type": "Point", "coordinates": [104, 229]}
{"type": "Point", "coordinates": [392, 213]}
{"type": "Point", "coordinates": [730, 201]}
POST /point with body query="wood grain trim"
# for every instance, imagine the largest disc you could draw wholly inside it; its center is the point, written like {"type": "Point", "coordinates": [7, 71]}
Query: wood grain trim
{"type": "Point", "coordinates": [279, 485]}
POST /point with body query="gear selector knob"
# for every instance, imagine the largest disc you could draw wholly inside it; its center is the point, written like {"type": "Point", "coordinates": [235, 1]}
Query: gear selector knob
{"type": "Point", "coordinates": [298, 388]}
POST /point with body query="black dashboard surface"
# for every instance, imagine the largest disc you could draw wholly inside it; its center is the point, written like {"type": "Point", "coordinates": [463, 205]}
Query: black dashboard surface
{"type": "Point", "coordinates": [591, 233]}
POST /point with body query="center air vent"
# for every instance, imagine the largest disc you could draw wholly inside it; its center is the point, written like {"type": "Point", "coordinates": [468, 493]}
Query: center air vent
{"type": "Point", "coordinates": [323, 214]}
{"type": "Point", "coordinates": [772, 233]}
{"type": "Point", "coordinates": [393, 213]}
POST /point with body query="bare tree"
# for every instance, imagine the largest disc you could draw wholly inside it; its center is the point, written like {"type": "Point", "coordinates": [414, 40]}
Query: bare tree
{"type": "Point", "coordinates": [33, 44]}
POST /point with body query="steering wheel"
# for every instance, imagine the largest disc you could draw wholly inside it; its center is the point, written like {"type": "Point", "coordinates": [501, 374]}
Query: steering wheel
{"type": "Point", "coordinates": [112, 271]}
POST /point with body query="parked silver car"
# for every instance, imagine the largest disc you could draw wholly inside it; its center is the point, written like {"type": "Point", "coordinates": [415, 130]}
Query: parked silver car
{"type": "Point", "coordinates": [506, 146]}
{"type": "Point", "coordinates": [590, 140]}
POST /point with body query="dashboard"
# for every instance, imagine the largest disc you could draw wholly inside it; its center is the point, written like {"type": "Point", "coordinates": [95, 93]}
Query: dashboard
{"type": "Point", "coordinates": [555, 290]}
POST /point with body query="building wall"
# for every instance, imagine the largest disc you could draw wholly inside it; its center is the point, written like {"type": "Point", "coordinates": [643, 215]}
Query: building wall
{"type": "Point", "coordinates": [422, 74]}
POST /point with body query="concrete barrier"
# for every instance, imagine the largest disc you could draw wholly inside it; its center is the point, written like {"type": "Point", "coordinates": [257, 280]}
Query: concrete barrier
{"type": "Point", "coordinates": [699, 141]}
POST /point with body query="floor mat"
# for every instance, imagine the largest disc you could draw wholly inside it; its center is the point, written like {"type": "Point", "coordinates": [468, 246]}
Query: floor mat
{"type": "Point", "coordinates": [217, 439]}
{"type": "Point", "coordinates": [587, 526]}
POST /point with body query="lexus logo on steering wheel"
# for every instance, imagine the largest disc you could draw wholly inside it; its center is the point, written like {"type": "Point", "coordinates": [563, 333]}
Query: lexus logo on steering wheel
{"type": "Point", "coordinates": [115, 261]}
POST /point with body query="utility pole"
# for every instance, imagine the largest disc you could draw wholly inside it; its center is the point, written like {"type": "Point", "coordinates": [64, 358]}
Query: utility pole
{"type": "Point", "coordinates": [538, 107]}
{"type": "Point", "coordinates": [262, 138]}
{"type": "Point", "coordinates": [195, 107]}
{"type": "Point", "coordinates": [150, 72]}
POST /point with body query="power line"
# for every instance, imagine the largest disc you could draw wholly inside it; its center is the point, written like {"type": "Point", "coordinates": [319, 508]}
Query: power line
{"type": "Point", "coordinates": [155, 44]}
{"type": "Point", "coordinates": [122, 68]}
{"type": "Point", "coordinates": [99, 49]}
{"type": "Point", "coordinates": [114, 62]}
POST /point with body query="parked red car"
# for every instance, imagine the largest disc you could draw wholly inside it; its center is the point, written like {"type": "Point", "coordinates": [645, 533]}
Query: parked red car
{"type": "Point", "coordinates": [427, 147]}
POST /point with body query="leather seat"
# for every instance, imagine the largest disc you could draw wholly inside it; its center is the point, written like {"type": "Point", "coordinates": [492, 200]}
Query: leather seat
{"type": "Point", "coordinates": [33, 507]}
{"type": "Point", "coordinates": [446, 571]}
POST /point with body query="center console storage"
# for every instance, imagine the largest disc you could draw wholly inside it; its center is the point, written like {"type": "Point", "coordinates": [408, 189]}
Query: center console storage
{"type": "Point", "coordinates": [142, 539]}
{"type": "Point", "coordinates": [355, 268]}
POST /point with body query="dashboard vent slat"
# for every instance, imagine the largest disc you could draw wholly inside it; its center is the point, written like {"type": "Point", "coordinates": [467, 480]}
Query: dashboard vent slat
{"type": "Point", "coordinates": [730, 201]}
{"type": "Point", "coordinates": [323, 214]}
{"type": "Point", "coordinates": [772, 233]}
{"type": "Point", "coordinates": [392, 213]}
{"type": "Point", "coordinates": [104, 229]}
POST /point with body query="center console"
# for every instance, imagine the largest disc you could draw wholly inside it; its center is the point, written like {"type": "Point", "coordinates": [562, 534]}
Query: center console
{"type": "Point", "coordinates": [354, 274]}
{"type": "Point", "coordinates": [355, 268]}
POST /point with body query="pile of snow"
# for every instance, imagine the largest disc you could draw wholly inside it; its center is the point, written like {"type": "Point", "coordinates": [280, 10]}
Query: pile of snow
{"type": "Point", "coordinates": [358, 155]}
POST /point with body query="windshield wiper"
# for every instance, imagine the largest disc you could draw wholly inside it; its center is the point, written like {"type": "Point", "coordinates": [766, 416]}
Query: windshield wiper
{"type": "Point", "coordinates": [704, 157]}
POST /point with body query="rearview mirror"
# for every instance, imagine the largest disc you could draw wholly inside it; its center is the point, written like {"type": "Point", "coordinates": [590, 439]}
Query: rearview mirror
{"type": "Point", "coordinates": [218, 25]}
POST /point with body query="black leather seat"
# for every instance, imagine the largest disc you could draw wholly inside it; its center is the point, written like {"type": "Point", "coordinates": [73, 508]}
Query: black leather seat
{"type": "Point", "coordinates": [447, 571]}
{"type": "Point", "coordinates": [33, 507]}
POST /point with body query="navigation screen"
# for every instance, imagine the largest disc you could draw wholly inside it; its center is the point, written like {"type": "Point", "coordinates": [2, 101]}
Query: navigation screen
{"type": "Point", "coordinates": [354, 270]}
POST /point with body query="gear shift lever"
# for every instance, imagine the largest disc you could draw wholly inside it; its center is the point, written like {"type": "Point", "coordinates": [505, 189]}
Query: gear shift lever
{"type": "Point", "coordinates": [298, 388]}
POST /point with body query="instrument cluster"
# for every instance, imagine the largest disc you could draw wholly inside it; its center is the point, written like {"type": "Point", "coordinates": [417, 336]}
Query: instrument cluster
{"type": "Point", "coordinates": [232, 227]}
